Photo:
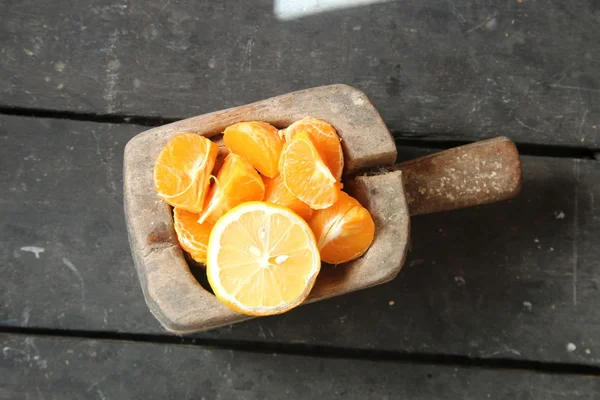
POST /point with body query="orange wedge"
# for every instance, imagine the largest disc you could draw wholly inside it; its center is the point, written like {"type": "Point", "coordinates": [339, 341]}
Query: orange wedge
{"type": "Point", "coordinates": [258, 142]}
{"type": "Point", "coordinates": [192, 236]}
{"type": "Point", "coordinates": [343, 231]}
{"type": "Point", "coordinates": [182, 171]}
{"type": "Point", "coordinates": [262, 259]}
{"type": "Point", "coordinates": [236, 183]}
{"type": "Point", "coordinates": [277, 193]}
{"type": "Point", "coordinates": [305, 174]}
{"type": "Point", "coordinates": [326, 140]}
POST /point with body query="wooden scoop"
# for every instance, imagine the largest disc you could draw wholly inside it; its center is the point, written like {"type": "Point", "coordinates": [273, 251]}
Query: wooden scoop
{"type": "Point", "coordinates": [470, 175]}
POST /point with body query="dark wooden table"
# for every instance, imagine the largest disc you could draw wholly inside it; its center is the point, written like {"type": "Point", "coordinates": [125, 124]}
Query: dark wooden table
{"type": "Point", "coordinates": [498, 301]}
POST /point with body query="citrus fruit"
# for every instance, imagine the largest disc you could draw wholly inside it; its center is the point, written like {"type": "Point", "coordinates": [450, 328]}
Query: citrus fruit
{"type": "Point", "coordinates": [305, 174]}
{"type": "Point", "coordinates": [236, 183]}
{"type": "Point", "coordinates": [343, 231]}
{"type": "Point", "coordinates": [326, 141]}
{"type": "Point", "coordinates": [258, 142]}
{"type": "Point", "coordinates": [262, 259]}
{"type": "Point", "coordinates": [277, 193]}
{"type": "Point", "coordinates": [192, 235]}
{"type": "Point", "coordinates": [182, 171]}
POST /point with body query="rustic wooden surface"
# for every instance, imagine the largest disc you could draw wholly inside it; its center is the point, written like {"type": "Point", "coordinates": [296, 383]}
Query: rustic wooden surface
{"type": "Point", "coordinates": [498, 301]}
{"type": "Point", "coordinates": [54, 368]}
{"type": "Point", "coordinates": [515, 280]}
{"type": "Point", "coordinates": [464, 69]}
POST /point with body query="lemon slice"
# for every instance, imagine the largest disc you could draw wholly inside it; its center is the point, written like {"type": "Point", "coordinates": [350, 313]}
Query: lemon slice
{"type": "Point", "coordinates": [262, 259]}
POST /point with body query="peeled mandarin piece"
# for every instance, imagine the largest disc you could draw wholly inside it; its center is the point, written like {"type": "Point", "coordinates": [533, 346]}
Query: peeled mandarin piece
{"type": "Point", "coordinates": [305, 174]}
{"type": "Point", "coordinates": [182, 171]}
{"type": "Point", "coordinates": [236, 183]}
{"type": "Point", "coordinates": [344, 231]}
{"type": "Point", "coordinates": [262, 259]}
{"type": "Point", "coordinates": [192, 236]}
{"type": "Point", "coordinates": [326, 140]}
{"type": "Point", "coordinates": [277, 193]}
{"type": "Point", "coordinates": [258, 142]}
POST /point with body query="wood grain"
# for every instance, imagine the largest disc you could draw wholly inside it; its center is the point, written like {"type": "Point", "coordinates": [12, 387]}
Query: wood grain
{"type": "Point", "coordinates": [35, 367]}
{"type": "Point", "coordinates": [483, 172]}
{"type": "Point", "coordinates": [461, 69]}
{"type": "Point", "coordinates": [517, 279]}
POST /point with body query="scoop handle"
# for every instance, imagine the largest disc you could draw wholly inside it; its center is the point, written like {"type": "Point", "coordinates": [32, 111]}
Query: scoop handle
{"type": "Point", "coordinates": [478, 173]}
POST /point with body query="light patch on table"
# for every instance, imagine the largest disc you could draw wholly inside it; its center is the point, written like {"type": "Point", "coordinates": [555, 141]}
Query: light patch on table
{"type": "Point", "coordinates": [112, 72]}
{"type": "Point", "coordinates": [292, 9]}
{"type": "Point", "coordinates": [33, 249]}
{"type": "Point", "coordinates": [75, 271]}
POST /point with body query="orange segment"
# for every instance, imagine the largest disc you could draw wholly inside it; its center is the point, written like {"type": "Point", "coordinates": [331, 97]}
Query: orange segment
{"type": "Point", "coordinates": [305, 174]}
{"type": "Point", "coordinates": [326, 140]}
{"type": "Point", "coordinates": [277, 193]}
{"type": "Point", "coordinates": [182, 171]}
{"type": "Point", "coordinates": [236, 183]}
{"type": "Point", "coordinates": [192, 236]}
{"type": "Point", "coordinates": [262, 259]}
{"type": "Point", "coordinates": [259, 142]}
{"type": "Point", "coordinates": [344, 231]}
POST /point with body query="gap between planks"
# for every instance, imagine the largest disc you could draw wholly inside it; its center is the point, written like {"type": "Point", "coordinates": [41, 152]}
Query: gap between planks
{"type": "Point", "coordinates": [299, 349]}
{"type": "Point", "coordinates": [430, 140]}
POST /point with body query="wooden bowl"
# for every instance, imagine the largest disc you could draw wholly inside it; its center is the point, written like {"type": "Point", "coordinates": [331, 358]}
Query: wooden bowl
{"type": "Point", "coordinates": [478, 173]}
{"type": "Point", "coordinates": [174, 296]}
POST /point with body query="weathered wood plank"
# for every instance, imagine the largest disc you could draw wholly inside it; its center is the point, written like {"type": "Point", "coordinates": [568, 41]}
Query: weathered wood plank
{"type": "Point", "coordinates": [518, 279]}
{"type": "Point", "coordinates": [76, 368]}
{"type": "Point", "coordinates": [461, 69]}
